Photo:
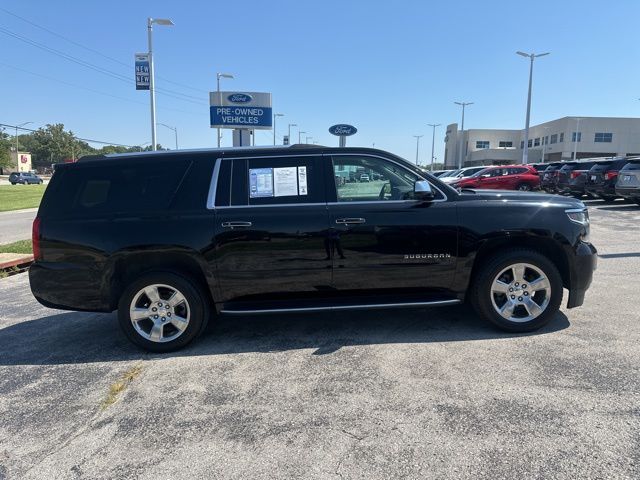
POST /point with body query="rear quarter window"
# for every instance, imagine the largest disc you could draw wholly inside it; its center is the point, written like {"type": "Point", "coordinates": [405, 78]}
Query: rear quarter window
{"type": "Point", "coordinates": [115, 188]}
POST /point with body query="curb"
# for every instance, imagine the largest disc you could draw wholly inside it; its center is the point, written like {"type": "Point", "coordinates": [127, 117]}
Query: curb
{"type": "Point", "coordinates": [20, 263]}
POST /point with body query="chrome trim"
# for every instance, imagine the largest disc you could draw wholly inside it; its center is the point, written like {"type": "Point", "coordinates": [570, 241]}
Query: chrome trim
{"type": "Point", "coordinates": [274, 205]}
{"type": "Point", "coordinates": [205, 150]}
{"type": "Point", "coordinates": [211, 197]}
{"type": "Point", "coordinates": [345, 307]}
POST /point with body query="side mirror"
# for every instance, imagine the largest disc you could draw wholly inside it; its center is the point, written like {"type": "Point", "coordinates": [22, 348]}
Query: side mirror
{"type": "Point", "coordinates": [422, 191]}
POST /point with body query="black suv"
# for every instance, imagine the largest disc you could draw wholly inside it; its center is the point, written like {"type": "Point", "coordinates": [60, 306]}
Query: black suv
{"type": "Point", "coordinates": [549, 177]}
{"type": "Point", "coordinates": [171, 239]}
{"type": "Point", "coordinates": [572, 176]}
{"type": "Point", "coordinates": [602, 178]}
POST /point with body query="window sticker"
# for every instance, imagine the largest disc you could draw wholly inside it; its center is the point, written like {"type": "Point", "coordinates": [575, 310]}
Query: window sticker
{"type": "Point", "coordinates": [302, 180]}
{"type": "Point", "coordinates": [285, 182]}
{"type": "Point", "coordinates": [260, 182]}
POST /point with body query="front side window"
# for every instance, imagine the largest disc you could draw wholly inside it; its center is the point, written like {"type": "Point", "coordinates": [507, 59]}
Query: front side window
{"type": "Point", "coordinates": [365, 179]}
{"type": "Point", "coordinates": [480, 144]}
{"type": "Point", "coordinates": [603, 137]}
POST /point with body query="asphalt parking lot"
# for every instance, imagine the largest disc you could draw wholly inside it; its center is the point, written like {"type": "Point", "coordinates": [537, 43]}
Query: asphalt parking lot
{"type": "Point", "coordinates": [423, 393]}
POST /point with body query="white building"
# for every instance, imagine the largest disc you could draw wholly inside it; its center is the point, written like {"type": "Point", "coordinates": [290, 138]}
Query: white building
{"type": "Point", "coordinates": [589, 136]}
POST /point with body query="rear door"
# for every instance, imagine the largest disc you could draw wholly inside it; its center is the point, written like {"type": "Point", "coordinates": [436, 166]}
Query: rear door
{"type": "Point", "coordinates": [271, 223]}
{"type": "Point", "coordinates": [493, 180]}
{"type": "Point", "coordinates": [381, 240]}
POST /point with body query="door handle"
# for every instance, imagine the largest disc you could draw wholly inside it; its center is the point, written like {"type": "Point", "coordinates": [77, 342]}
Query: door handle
{"type": "Point", "coordinates": [236, 224]}
{"type": "Point", "coordinates": [348, 221]}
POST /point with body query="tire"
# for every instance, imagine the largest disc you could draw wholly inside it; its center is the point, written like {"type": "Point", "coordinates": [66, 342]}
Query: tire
{"type": "Point", "coordinates": [194, 307]}
{"type": "Point", "coordinates": [13, 183]}
{"type": "Point", "coordinates": [486, 301]}
{"type": "Point", "coordinates": [524, 187]}
{"type": "Point", "coordinates": [608, 198]}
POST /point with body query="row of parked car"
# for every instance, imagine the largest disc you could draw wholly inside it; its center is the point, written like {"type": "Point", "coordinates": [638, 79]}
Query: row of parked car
{"type": "Point", "coordinates": [608, 179]}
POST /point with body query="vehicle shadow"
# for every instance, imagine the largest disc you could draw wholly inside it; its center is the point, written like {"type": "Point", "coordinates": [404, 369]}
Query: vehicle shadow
{"type": "Point", "coordinates": [75, 338]}
{"type": "Point", "coordinates": [617, 208]}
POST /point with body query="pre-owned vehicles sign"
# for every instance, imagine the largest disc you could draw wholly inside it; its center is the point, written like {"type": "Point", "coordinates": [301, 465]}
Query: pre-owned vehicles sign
{"type": "Point", "coordinates": [250, 110]}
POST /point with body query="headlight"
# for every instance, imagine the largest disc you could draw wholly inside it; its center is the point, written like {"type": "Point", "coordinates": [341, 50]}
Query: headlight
{"type": "Point", "coordinates": [578, 215]}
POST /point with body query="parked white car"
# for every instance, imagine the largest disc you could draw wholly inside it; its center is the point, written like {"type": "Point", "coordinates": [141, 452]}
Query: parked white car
{"type": "Point", "coordinates": [462, 173]}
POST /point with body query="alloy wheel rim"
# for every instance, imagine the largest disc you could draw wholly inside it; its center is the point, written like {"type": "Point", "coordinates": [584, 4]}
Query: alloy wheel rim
{"type": "Point", "coordinates": [520, 292]}
{"type": "Point", "coordinates": [159, 313]}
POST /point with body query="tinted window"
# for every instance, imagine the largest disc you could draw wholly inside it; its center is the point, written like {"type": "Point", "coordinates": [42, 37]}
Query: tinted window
{"type": "Point", "coordinates": [632, 166]}
{"type": "Point", "coordinates": [118, 188]}
{"type": "Point", "coordinates": [517, 171]}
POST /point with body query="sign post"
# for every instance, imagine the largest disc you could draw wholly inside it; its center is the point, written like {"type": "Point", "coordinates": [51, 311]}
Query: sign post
{"type": "Point", "coordinates": [343, 131]}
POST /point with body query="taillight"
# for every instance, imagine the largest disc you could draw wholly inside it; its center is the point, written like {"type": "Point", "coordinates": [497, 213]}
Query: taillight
{"type": "Point", "coordinates": [35, 238]}
{"type": "Point", "coordinates": [575, 174]}
{"type": "Point", "coordinates": [610, 175]}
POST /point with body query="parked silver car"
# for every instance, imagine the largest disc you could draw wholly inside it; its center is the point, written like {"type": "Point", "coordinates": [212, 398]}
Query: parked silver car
{"type": "Point", "coordinates": [628, 183]}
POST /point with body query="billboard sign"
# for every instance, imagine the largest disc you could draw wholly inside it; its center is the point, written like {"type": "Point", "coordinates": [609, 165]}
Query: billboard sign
{"type": "Point", "coordinates": [343, 130]}
{"type": "Point", "coordinates": [142, 71]}
{"type": "Point", "coordinates": [248, 110]}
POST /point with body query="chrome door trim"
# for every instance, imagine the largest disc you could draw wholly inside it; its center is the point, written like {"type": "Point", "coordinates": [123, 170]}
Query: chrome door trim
{"type": "Point", "coordinates": [435, 303]}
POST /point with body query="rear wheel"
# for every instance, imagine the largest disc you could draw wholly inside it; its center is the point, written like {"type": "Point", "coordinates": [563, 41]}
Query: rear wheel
{"type": "Point", "coordinates": [518, 290]}
{"type": "Point", "coordinates": [163, 311]}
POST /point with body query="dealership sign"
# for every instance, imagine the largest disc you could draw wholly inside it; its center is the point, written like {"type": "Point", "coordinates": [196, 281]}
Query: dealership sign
{"type": "Point", "coordinates": [250, 110]}
{"type": "Point", "coordinates": [142, 71]}
{"type": "Point", "coordinates": [342, 129]}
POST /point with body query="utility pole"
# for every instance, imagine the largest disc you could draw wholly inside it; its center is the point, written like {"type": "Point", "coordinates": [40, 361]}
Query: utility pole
{"type": "Point", "coordinates": [152, 91]}
{"type": "Point", "coordinates": [417, 137]}
{"type": "Point", "coordinates": [433, 141]}
{"type": "Point", "coordinates": [531, 57]}
{"type": "Point", "coordinates": [463, 105]}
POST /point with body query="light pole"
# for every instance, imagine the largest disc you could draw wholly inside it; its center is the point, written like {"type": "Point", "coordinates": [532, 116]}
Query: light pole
{"type": "Point", "coordinates": [463, 105]}
{"type": "Point", "coordinates": [291, 125]}
{"type": "Point", "coordinates": [275, 115]}
{"type": "Point", "coordinates": [299, 138]}
{"type": "Point", "coordinates": [218, 77]}
{"type": "Point", "coordinates": [575, 140]}
{"type": "Point", "coordinates": [531, 57]}
{"type": "Point", "coordinates": [175, 130]}
{"type": "Point", "coordinates": [152, 91]}
{"type": "Point", "coordinates": [18, 156]}
{"type": "Point", "coordinates": [433, 140]}
{"type": "Point", "coordinates": [307, 139]}
{"type": "Point", "coordinates": [417, 137]}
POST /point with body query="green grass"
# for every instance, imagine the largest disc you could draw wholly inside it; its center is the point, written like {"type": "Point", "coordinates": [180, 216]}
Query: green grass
{"type": "Point", "coordinates": [17, 197]}
{"type": "Point", "coordinates": [21, 246]}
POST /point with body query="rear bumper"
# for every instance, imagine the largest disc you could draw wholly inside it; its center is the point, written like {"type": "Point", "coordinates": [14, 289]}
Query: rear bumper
{"type": "Point", "coordinates": [632, 192]}
{"type": "Point", "coordinates": [581, 267]}
{"type": "Point", "coordinates": [67, 286]}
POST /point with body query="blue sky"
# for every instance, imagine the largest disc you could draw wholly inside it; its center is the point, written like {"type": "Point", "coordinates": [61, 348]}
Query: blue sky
{"type": "Point", "coordinates": [389, 68]}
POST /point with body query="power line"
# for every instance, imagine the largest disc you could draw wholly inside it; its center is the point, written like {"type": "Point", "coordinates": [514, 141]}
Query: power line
{"type": "Point", "coordinates": [117, 76]}
{"type": "Point", "coordinates": [73, 42]}
{"type": "Point", "coordinates": [75, 138]}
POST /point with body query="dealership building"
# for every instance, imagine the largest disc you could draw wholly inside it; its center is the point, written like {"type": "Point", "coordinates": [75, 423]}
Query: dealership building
{"type": "Point", "coordinates": [590, 136]}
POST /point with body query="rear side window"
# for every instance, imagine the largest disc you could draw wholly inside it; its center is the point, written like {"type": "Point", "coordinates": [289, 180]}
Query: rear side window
{"type": "Point", "coordinates": [116, 188]}
{"type": "Point", "coordinates": [632, 166]}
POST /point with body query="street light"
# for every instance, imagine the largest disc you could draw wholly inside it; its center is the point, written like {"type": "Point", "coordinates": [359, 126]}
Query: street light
{"type": "Point", "coordinates": [18, 156]}
{"type": "Point", "coordinates": [462, 104]}
{"type": "Point", "coordinates": [291, 125]}
{"type": "Point", "coordinates": [544, 143]}
{"type": "Point", "coordinates": [299, 133]}
{"type": "Point", "coordinates": [532, 57]}
{"type": "Point", "coordinates": [175, 130]}
{"type": "Point", "coordinates": [575, 140]}
{"type": "Point", "coordinates": [152, 91]}
{"type": "Point", "coordinates": [275, 115]}
{"type": "Point", "coordinates": [218, 77]}
{"type": "Point", "coordinates": [417, 137]}
{"type": "Point", "coordinates": [433, 140]}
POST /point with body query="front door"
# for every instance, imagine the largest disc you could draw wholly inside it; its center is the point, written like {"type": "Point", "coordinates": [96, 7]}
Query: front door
{"type": "Point", "coordinates": [271, 223]}
{"type": "Point", "coordinates": [381, 239]}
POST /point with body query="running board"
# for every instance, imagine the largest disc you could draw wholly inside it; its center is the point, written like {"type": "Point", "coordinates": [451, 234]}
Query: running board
{"type": "Point", "coordinates": [375, 306]}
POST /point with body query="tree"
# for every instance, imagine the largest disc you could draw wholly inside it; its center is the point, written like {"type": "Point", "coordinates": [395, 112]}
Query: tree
{"type": "Point", "coordinates": [6, 160]}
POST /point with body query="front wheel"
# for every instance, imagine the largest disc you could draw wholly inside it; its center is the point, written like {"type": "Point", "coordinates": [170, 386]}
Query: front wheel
{"type": "Point", "coordinates": [163, 311]}
{"type": "Point", "coordinates": [518, 290]}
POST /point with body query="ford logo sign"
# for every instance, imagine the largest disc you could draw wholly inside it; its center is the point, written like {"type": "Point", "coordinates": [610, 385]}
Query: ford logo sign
{"type": "Point", "coordinates": [343, 130]}
{"type": "Point", "coordinates": [239, 98]}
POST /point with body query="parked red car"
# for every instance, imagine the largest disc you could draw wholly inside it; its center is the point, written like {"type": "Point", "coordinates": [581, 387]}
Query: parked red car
{"type": "Point", "coordinates": [503, 177]}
